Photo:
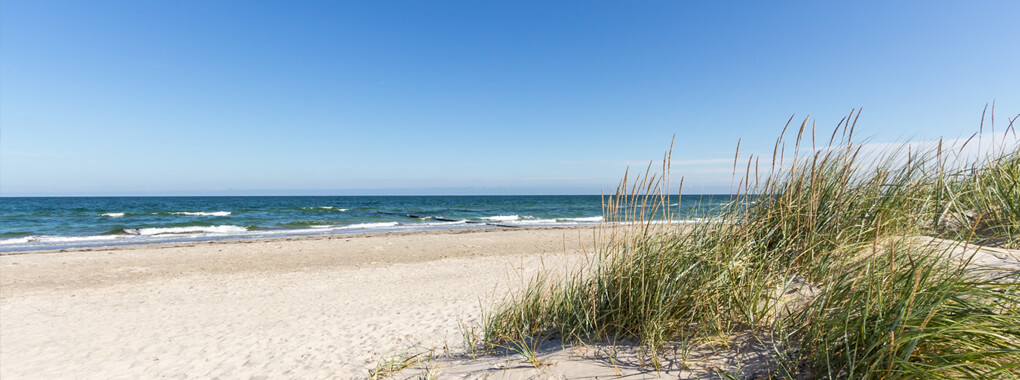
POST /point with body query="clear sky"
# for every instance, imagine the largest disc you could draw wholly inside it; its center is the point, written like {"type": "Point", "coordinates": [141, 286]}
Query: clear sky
{"type": "Point", "coordinates": [469, 97]}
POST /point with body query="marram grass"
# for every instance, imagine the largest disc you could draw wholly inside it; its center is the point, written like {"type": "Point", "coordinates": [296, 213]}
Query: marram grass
{"type": "Point", "coordinates": [813, 253]}
{"type": "Point", "coordinates": [906, 313]}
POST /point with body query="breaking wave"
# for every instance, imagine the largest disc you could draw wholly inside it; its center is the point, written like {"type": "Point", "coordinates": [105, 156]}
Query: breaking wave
{"type": "Point", "coordinates": [202, 213]}
{"type": "Point", "coordinates": [226, 229]}
{"type": "Point", "coordinates": [502, 218]}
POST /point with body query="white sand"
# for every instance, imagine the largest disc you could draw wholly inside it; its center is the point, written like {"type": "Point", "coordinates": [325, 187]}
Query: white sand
{"type": "Point", "coordinates": [247, 310]}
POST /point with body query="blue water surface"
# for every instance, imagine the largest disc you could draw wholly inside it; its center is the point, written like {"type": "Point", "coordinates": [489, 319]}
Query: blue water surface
{"type": "Point", "coordinates": [34, 223]}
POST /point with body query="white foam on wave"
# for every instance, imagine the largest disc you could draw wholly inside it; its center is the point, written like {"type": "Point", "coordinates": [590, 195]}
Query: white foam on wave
{"type": "Point", "coordinates": [370, 225]}
{"type": "Point", "coordinates": [321, 226]}
{"type": "Point", "coordinates": [18, 240]}
{"type": "Point", "coordinates": [56, 239]}
{"type": "Point", "coordinates": [113, 214]}
{"type": "Point", "coordinates": [225, 229]}
{"type": "Point", "coordinates": [331, 208]}
{"type": "Point", "coordinates": [590, 219]}
{"type": "Point", "coordinates": [502, 218]}
{"type": "Point", "coordinates": [201, 213]}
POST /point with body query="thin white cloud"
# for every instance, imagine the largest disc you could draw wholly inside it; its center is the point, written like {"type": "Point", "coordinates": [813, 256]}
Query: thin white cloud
{"type": "Point", "coordinates": [957, 152]}
{"type": "Point", "coordinates": [636, 163]}
{"type": "Point", "coordinates": [964, 150]}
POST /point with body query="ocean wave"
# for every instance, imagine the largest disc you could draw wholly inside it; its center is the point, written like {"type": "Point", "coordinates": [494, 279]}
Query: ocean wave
{"type": "Point", "coordinates": [113, 214]}
{"type": "Point", "coordinates": [201, 213]}
{"type": "Point", "coordinates": [590, 219]}
{"type": "Point", "coordinates": [328, 208]}
{"type": "Point", "coordinates": [502, 218]}
{"type": "Point", "coordinates": [18, 240]}
{"type": "Point", "coordinates": [439, 223]}
{"type": "Point", "coordinates": [225, 229]}
{"type": "Point", "coordinates": [370, 225]}
{"type": "Point", "coordinates": [307, 224]}
{"type": "Point", "coordinates": [56, 239]}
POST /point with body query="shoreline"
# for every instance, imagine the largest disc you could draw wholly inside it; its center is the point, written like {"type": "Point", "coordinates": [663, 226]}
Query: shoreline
{"type": "Point", "coordinates": [91, 266]}
{"type": "Point", "coordinates": [171, 240]}
{"type": "Point", "coordinates": [310, 237]}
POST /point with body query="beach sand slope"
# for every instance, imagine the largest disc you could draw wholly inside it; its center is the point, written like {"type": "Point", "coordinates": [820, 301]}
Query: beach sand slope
{"type": "Point", "coordinates": [293, 308]}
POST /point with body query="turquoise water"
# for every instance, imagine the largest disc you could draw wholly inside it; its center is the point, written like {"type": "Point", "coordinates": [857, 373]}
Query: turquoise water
{"type": "Point", "coordinates": [71, 222]}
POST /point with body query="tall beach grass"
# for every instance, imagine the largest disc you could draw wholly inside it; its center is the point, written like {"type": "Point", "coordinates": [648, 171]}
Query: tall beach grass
{"type": "Point", "coordinates": [815, 254]}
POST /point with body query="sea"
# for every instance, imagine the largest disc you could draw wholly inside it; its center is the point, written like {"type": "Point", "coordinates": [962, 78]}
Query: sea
{"type": "Point", "coordinates": [53, 223]}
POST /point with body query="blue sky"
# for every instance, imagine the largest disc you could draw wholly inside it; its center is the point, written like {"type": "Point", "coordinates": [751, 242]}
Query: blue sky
{"type": "Point", "coordinates": [468, 97]}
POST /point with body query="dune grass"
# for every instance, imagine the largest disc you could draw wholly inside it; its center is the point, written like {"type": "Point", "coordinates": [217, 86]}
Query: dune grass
{"type": "Point", "coordinates": [989, 202]}
{"type": "Point", "coordinates": [908, 314]}
{"type": "Point", "coordinates": [813, 253]}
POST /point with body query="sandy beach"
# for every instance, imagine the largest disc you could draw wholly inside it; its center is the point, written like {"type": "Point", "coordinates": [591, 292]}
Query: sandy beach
{"type": "Point", "coordinates": [324, 307]}
{"type": "Point", "coordinates": [328, 307]}
{"type": "Point", "coordinates": [333, 307]}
